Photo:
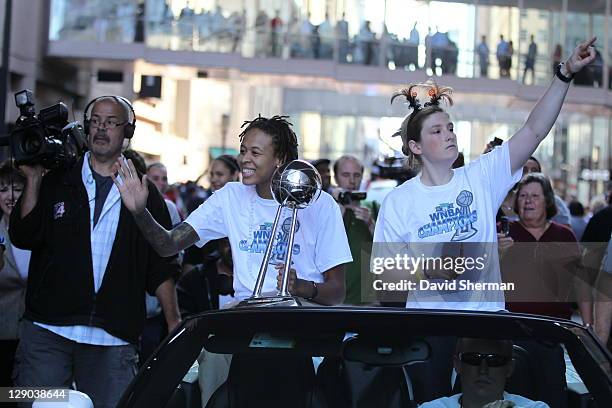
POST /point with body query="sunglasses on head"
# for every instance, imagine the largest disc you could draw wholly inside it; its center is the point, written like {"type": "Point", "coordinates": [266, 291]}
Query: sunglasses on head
{"type": "Point", "coordinates": [475, 359]}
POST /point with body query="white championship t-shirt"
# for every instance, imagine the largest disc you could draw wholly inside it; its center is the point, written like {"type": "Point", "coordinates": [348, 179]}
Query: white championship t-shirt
{"type": "Point", "coordinates": [236, 211]}
{"type": "Point", "coordinates": [423, 218]}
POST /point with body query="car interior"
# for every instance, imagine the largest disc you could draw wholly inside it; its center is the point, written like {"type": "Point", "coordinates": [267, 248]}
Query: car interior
{"type": "Point", "coordinates": [385, 364]}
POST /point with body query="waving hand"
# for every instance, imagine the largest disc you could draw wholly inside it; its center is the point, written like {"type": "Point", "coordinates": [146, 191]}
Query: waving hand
{"type": "Point", "coordinates": [133, 190]}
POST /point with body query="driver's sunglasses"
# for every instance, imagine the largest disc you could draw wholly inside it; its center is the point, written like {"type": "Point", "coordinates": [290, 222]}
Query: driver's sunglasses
{"type": "Point", "coordinates": [475, 359]}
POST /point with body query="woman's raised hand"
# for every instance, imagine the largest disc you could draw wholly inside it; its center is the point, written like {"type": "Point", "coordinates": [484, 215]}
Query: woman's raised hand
{"type": "Point", "coordinates": [582, 56]}
{"type": "Point", "coordinates": [133, 190]}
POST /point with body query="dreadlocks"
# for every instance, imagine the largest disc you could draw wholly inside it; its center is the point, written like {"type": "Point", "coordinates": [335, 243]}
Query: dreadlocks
{"type": "Point", "coordinates": [279, 129]}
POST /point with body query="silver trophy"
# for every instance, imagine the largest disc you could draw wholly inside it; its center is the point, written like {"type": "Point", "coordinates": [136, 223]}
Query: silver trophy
{"type": "Point", "coordinates": [295, 185]}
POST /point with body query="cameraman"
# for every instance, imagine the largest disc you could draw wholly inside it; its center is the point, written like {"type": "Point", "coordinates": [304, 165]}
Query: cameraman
{"type": "Point", "coordinates": [358, 223]}
{"type": "Point", "coordinates": [89, 269]}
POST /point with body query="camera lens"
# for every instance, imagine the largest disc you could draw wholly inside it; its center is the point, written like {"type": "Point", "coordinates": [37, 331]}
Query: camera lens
{"type": "Point", "coordinates": [31, 144]}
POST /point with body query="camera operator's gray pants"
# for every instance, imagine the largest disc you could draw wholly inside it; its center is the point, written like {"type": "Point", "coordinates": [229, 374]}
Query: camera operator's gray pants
{"type": "Point", "coordinates": [44, 358]}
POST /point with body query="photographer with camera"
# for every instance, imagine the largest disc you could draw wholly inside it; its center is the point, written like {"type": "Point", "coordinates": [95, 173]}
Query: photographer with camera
{"type": "Point", "coordinates": [90, 267]}
{"type": "Point", "coordinates": [358, 222]}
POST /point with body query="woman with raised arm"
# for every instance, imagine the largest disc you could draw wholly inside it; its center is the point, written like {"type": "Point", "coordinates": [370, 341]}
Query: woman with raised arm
{"type": "Point", "coordinates": [444, 218]}
{"type": "Point", "coordinates": [244, 212]}
{"type": "Point", "coordinates": [441, 209]}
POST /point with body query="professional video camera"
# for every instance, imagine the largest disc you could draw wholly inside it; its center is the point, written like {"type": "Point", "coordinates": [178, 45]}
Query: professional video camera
{"type": "Point", "coordinates": [345, 197]}
{"type": "Point", "coordinates": [47, 138]}
{"type": "Point", "coordinates": [392, 168]}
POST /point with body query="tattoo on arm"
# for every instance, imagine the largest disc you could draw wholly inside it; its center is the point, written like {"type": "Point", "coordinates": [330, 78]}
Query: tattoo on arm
{"type": "Point", "coordinates": [183, 236]}
{"type": "Point", "coordinates": [165, 243]}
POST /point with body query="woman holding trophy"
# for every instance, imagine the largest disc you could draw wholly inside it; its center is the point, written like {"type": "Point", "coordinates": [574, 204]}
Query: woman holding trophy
{"type": "Point", "coordinates": [244, 212]}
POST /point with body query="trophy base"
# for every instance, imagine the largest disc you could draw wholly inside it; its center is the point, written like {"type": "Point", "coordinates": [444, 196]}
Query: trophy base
{"type": "Point", "coordinates": [271, 301]}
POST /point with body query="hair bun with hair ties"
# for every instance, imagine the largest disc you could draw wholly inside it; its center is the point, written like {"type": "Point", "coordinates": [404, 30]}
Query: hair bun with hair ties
{"type": "Point", "coordinates": [435, 94]}
{"type": "Point", "coordinates": [432, 91]}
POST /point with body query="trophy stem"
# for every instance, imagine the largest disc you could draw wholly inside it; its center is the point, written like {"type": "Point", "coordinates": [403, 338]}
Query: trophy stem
{"type": "Point", "coordinates": [284, 291]}
{"type": "Point", "coordinates": [264, 264]}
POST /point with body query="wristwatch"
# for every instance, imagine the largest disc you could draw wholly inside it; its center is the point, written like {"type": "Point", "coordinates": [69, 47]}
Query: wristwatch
{"type": "Point", "coordinates": [562, 77]}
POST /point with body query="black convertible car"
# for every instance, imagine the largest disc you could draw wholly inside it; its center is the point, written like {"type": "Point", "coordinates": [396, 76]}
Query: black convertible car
{"type": "Point", "coordinates": [361, 357]}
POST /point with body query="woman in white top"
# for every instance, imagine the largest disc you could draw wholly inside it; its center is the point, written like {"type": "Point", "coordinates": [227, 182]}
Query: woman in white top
{"type": "Point", "coordinates": [244, 212]}
{"type": "Point", "coordinates": [443, 206]}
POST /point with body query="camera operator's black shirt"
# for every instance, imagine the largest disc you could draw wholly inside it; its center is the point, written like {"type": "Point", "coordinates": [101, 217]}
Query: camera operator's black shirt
{"type": "Point", "coordinates": [103, 187]}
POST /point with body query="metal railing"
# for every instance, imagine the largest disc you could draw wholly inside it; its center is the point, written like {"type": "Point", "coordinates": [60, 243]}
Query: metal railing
{"type": "Point", "coordinates": [230, 35]}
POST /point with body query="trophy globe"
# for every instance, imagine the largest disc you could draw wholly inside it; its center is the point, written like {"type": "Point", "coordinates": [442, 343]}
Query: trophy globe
{"type": "Point", "coordinates": [296, 184]}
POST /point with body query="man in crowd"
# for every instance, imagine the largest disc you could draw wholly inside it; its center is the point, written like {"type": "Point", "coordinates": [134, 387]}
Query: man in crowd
{"type": "Point", "coordinates": [89, 269]}
{"type": "Point", "coordinates": [322, 166]}
{"type": "Point", "coordinates": [358, 223]}
{"type": "Point", "coordinates": [158, 174]}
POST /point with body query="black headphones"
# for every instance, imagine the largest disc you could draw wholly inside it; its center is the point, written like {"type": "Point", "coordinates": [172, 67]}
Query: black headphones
{"type": "Point", "coordinates": [128, 128]}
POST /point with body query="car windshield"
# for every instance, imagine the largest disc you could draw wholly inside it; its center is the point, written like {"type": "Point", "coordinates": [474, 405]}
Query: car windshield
{"type": "Point", "coordinates": [336, 357]}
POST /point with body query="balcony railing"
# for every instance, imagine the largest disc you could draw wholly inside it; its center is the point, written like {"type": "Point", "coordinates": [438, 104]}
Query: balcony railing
{"type": "Point", "coordinates": [231, 36]}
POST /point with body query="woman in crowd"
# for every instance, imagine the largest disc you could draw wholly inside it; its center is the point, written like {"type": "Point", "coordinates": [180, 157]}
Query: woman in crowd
{"type": "Point", "coordinates": [542, 258]}
{"type": "Point", "coordinates": [223, 169]}
{"type": "Point", "coordinates": [14, 265]}
{"type": "Point", "coordinates": [543, 270]}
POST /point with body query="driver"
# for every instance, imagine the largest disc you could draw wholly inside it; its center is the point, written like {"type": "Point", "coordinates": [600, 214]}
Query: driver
{"type": "Point", "coordinates": [484, 366]}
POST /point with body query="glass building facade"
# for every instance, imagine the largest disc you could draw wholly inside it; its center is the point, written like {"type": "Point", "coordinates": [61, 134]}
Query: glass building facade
{"type": "Point", "coordinates": [426, 38]}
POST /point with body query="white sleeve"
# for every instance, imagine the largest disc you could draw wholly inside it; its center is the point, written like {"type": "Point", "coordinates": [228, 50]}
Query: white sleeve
{"type": "Point", "coordinates": [495, 169]}
{"type": "Point", "coordinates": [387, 222]}
{"type": "Point", "coordinates": [208, 220]}
{"type": "Point", "coordinates": [332, 248]}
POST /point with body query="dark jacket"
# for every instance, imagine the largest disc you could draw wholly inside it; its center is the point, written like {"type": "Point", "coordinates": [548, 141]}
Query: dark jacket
{"type": "Point", "coordinates": [60, 283]}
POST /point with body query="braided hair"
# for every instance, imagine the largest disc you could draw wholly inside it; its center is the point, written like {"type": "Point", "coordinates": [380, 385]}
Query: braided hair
{"type": "Point", "coordinates": [279, 129]}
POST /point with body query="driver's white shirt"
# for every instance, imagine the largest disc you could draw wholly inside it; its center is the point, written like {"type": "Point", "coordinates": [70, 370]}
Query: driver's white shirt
{"type": "Point", "coordinates": [453, 402]}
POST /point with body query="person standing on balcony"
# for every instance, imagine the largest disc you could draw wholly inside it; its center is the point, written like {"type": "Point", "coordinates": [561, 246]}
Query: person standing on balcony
{"type": "Point", "coordinates": [276, 26]}
{"type": "Point", "coordinates": [556, 56]}
{"type": "Point", "coordinates": [532, 52]}
{"type": "Point", "coordinates": [509, 56]}
{"type": "Point", "coordinates": [326, 33]}
{"type": "Point", "coordinates": [262, 34]}
{"type": "Point", "coordinates": [413, 47]}
{"type": "Point", "coordinates": [502, 55]}
{"type": "Point", "coordinates": [342, 36]}
{"type": "Point", "coordinates": [483, 57]}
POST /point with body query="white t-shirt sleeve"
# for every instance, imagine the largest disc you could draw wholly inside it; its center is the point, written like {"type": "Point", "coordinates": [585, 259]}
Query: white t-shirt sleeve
{"type": "Point", "coordinates": [495, 167]}
{"type": "Point", "coordinates": [388, 221]}
{"type": "Point", "coordinates": [332, 248]}
{"type": "Point", "coordinates": [208, 220]}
